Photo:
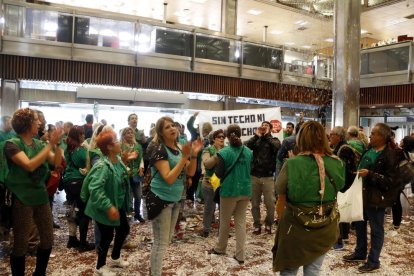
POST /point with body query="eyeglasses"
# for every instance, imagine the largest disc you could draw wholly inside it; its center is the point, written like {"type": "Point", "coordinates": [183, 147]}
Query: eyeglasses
{"type": "Point", "coordinates": [220, 137]}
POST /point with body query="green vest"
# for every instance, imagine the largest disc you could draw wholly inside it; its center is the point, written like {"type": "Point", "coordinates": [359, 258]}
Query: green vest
{"type": "Point", "coordinates": [304, 184]}
{"type": "Point", "coordinates": [28, 187]}
{"type": "Point", "coordinates": [133, 165]}
{"type": "Point", "coordinates": [74, 161]}
{"type": "Point", "coordinates": [7, 135]}
{"type": "Point", "coordinates": [106, 185]}
{"type": "Point", "coordinates": [211, 150]}
{"type": "Point", "coordinates": [238, 182]}
{"type": "Point", "coordinates": [161, 188]}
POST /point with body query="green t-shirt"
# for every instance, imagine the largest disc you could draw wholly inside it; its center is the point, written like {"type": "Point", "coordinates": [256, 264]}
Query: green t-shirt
{"type": "Point", "coordinates": [74, 161]}
{"type": "Point", "coordinates": [7, 135]}
{"type": "Point", "coordinates": [28, 187]}
{"type": "Point", "coordinates": [133, 165]}
{"type": "Point", "coordinates": [238, 182]}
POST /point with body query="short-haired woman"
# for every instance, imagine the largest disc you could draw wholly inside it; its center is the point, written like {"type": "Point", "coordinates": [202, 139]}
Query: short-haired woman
{"type": "Point", "coordinates": [233, 169]}
{"type": "Point", "coordinates": [106, 190]}
{"type": "Point", "coordinates": [169, 167]}
{"type": "Point", "coordinates": [307, 185]}
{"type": "Point", "coordinates": [28, 170]}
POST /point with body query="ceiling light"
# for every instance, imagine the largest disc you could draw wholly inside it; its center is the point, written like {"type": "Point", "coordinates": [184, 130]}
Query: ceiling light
{"type": "Point", "coordinates": [372, 106]}
{"type": "Point", "coordinates": [254, 12]}
{"type": "Point", "coordinates": [276, 32]}
{"type": "Point", "coordinates": [329, 40]}
{"type": "Point", "coordinates": [400, 105]}
{"type": "Point", "coordinates": [301, 22]}
{"type": "Point", "coordinates": [199, 1]}
{"type": "Point", "coordinates": [250, 22]}
{"type": "Point", "coordinates": [364, 31]}
{"type": "Point", "coordinates": [307, 46]}
{"type": "Point", "coordinates": [290, 43]}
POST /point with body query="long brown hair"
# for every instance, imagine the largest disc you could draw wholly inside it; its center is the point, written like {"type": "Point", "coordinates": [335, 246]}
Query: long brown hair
{"type": "Point", "coordinates": [312, 138]}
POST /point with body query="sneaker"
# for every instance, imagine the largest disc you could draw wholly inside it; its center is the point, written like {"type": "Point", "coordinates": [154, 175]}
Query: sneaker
{"type": "Point", "coordinates": [140, 219]}
{"type": "Point", "coordinates": [353, 258]}
{"type": "Point", "coordinates": [268, 230]}
{"type": "Point", "coordinates": [86, 246]}
{"type": "Point", "coordinates": [117, 263]}
{"type": "Point", "coordinates": [338, 246]}
{"type": "Point", "coordinates": [104, 271]}
{"type": "Point", "coordinates": [257, 231]}
{"type": "Point", "coordinates": [367, 267]}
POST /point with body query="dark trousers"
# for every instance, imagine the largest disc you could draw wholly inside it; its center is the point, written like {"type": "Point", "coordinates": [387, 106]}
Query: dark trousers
{"type": "Point", "coordinates": [192, 189]}
{"type": "Point", "coordinates": [107, 234]}
{"type": "Point", "coordinates": [397, 212]}
{"type": "Point", "coordinates": [375, 216]}
{"type": "Point", "coordinates": [343, 231]}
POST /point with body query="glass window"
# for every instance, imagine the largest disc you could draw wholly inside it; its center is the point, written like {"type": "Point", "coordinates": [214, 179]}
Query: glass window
{"type": "Point", "coordinates": [13, 20]}
{"type": "Point", "coordinates": [174, 42]}
{"type": "Point", "coordinates": [388, 60]}
{"type": "Point", "coordinates": [104, 32]}
{"type": "Point", "coordinates": [216, 48]}
{"type": "Point", "coordinates": [262, 56]}
{"type": "Point", "coordinates": [300, 63]}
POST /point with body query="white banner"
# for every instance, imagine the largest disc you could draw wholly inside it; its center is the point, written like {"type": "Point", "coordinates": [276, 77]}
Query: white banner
{"type": "Point", "coordinates": [248, 120]}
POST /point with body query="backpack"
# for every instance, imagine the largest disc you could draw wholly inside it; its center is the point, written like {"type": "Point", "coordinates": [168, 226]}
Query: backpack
{"type": "Point", "coordinates": [406, 170]}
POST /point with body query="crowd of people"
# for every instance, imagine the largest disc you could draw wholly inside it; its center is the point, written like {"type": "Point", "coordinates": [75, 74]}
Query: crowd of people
{"type": "Point", "coordinates": [103, 179]}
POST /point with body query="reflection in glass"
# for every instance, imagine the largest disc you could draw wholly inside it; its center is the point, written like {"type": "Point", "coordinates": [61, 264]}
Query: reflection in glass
{"type": "Point", "coordinates": [104, 32]}
{"type": "Point", "coordinates": [298, 63]}
{"type": "Point", "coordinates": [216, 48]}
{"type": "Point", "coordinates": [262, 56]}
{"type": "Point", "coordinates": [174, 42]}
{"type": "Point", "coordinates": [388, 60]}
{"type": "Point", "coordinates": [13, 20]}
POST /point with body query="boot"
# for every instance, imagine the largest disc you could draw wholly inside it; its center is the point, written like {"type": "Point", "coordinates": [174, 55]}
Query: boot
{"type": "Point", "coordinates": [73, 242]}
{"type": "Point", "coordinates": [17, 264]}
{"type": "Point", "coordinates": [42, 259]}
{"type": "Point", "coordinates": [86, 246]}
{"type": "Point", "coordinates": [83, 231]}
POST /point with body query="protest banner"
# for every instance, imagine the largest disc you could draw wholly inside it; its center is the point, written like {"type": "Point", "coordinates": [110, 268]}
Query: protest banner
{"type": "Point", "coordinates": [248, 120]}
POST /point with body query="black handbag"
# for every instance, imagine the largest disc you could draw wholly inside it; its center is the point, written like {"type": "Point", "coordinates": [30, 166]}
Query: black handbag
{"type": "Point", "coordinates": [154, 204]}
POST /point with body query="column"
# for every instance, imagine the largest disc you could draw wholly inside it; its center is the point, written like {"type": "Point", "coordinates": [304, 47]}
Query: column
{"type": "Point", "coordinates": [9, 97]}
{"type": "Point", "coordinates": [345, 86]}
{"type": "Point", "coordinates": [229, 16]}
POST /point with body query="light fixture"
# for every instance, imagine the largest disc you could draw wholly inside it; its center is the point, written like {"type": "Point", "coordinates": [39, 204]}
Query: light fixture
{"type": "Point", "coordinates": [199, 1]}
{"type": "Point", "coordinates": [329, 40]}
{"type": "Point", "coordinates": [254, 12]}
{"type": "Point", "coordinates": [306, 46]}
{"type": "Point", "coordinates": [290, 43]}
{"type": "Point", "coordinates": [399, 105]}
{"type": "Point", "coordinates": [301, 22]}
{"type": "Point", "coordinates": [276, 32]}
{"type": "Point", "coordinates": [372, 106]}
{"type": "Point", "coordinates": [364, 31]}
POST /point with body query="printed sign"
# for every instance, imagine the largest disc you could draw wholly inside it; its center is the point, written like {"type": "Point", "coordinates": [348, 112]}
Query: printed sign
{"type": "Point", "coordinates": [248, 120]}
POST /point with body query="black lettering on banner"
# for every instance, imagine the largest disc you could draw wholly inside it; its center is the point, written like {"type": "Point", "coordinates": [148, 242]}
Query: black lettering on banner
{"type": "Point", "coordinates": [252, 119]}
{"type": "Point", "coordinates": [261, 117]}
{"type": "Point", "coordinates": [219, 120]}
{"type": "Point", "coordinates": [230, 119]}
{"type": "Point", "coordinates": [214, 120]}
{"type": "Point", "coordinates": [245, 119]}
{"type": "Point", "coordinates": [236, 119]}
{"type": "Point", "coordinates": [248, 131]}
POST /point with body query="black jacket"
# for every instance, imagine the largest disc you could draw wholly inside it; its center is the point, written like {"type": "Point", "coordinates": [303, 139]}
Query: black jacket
{"type": "Point", "coordinates": [347, 155]}
{"type": "Point", "coordinates": [264, 154]}
{"type": "Point", "coordinates": [380, 187]}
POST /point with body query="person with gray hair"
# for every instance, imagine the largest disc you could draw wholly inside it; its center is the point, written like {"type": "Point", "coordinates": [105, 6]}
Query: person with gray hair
{"type": "Point", "coordinates": [354, 140]}
{"type": "Point", "coordinates": [378, 169]}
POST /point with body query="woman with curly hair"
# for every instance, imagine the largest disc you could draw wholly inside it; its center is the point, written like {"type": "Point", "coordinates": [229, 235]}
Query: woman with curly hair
{"type": "Point", "coordinates": [75, 156]}
{"type": "Point", "coordinates": [28, 171]}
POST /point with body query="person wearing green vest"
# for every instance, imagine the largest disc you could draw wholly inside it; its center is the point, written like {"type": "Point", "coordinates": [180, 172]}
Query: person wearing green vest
{"type": "Point", "coordinates": [307, 186]}
{"type": "Point", "coordinates": [132, 157]}
{"type": "Point", "coordinates": [75, 156]}
{"type": "Point", "coordinates": [27, 160]}
{"type": "Point", "coordinates": [288, 130]}
{"type": "Point", "coordinates": [209, 158]}
{"type": "Point", "coordinates": [66, 127]}
{"type": "Point", "coordinates": [169, 167]}
{"type": "Point", "coordinates": [6, 129]}
{"type": "Point", "coordinates": [233, 169]}
{"type": "Point", "coordinates": [106, 191]}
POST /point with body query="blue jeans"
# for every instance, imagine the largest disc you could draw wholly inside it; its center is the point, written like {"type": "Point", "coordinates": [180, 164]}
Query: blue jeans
{"type": "Point", "coordinates": [376, 222]}
{"type": "Point", "coordinates": [163, 227]}
{"type": "Point", "coordinates": [312, 269]}
{"type": "Point", "coordinates": [209, 208]}
{"type": "Point", "coordinates": [136, 191]}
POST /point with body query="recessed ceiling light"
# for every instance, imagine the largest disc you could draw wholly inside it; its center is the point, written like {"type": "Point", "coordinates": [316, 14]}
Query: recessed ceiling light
{"type": "Point", "coordinates": [372, 106]}
{"type": "Point", "coordinates": [364, 31]}
{"type": "Point", "coordinates": [290, 43]}
{"type": "Point", "coordinates": [199, 1]}
{"type": "Point", "coordinates": [276, 32]}
{"type": "Point", "coordinates": [249, 22]}
{"type": "Point", "coordinates": [400, 105]}
{"type": "Point", "coordinates": [329, 40]}
{"type": "Point", "coordinates": [306, 46]}
{"type": "Point", "coordinates": [301, 22]}
{"type": "Point", "coordinates": [254, 12]}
